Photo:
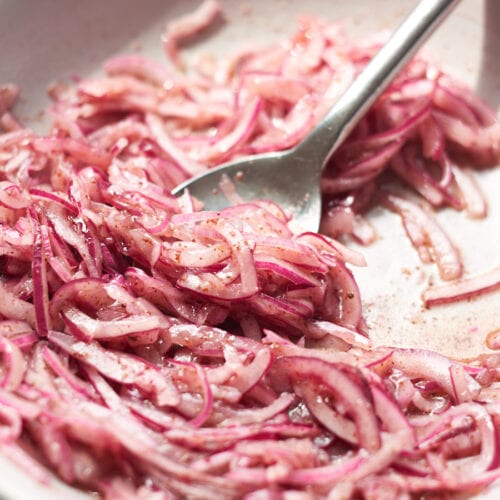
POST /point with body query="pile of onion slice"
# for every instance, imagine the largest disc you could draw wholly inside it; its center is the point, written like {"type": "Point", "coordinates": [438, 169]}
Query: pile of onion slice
{"type": "Point", "coordinates": [183, 118]}
{"type": "Point", "coordinates": [150, 349]}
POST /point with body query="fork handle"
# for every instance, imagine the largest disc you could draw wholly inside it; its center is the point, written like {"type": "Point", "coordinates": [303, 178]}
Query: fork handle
{"type": "Point", "coordinates": [374, 79]}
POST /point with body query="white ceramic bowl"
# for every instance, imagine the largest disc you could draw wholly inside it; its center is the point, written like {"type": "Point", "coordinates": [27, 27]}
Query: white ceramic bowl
{"type": "Point", "coordinates": [45, 40]}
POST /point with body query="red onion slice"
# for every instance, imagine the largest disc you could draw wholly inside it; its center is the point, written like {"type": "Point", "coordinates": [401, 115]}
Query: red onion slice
{"type": "Point", "coordinates": [14, 365]}
{"type": "Point", "coordinates": [121, 367]}
{"type": "Point", "coordinates": [188, 25]}
{"type": "Point", "coordinates": [424, 230]}
{"type": "Point", "coordinates": [462, 289]}
{"type": "Point", "coordinates": [350, 395]}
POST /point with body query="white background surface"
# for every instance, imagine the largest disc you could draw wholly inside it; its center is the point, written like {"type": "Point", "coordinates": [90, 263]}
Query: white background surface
{"type": "Point", "coordinates": [46, 40]}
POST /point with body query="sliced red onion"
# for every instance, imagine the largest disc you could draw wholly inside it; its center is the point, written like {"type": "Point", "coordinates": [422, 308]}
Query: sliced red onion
{"type": "Point", "coordinates": [464, 386]}
{"type": "Point", "coordinates": [139, 66]}
{"type": "Point", "coordinates": [350, 394]}
{"type": "Point", "coordinates": [454, 470]}
{"type": "Point", "coordinates": [191, 254]}
{"type": "Point", "coordinates": [242, 417]}
{"type": "Point", "coordinates": [329, 418]}
{"type": "Point", "coordinates": [474, 200]}
{"type": "Point", "coordinates": [462, 289]}
{"type": "Point", "coordinates": [8, 96]}
{"type": "Point", "coordinates": [56, 364]}
{"type": "Point", "coordinates": [208, 399]}
{"type": "Point", "coordinates": [349, 469]}
{"type": "Point", "coordinates": [12, 196]}
{"type": "Point", "coordinates": [424, 230]}
{"type": "Point", "coordinates": [54, 197]}
{"type": "Point", "coordinates": [417, 362]}
{"type": "Point", "coordinates": [242, 253]}
{"type": "Point", "coordinates": [350, 337]}
{"type": "Point", "coordinates": [288, 271]}
{"type": "Point", "coordinates": [55, 447]}
{"type": "Point", "coordinates": [79, 150]}
{"type": "Point", "coordinates": [39, 274]}
{"type": "Point", "coordinates": [82, 326]}
{"type": "Point", "coordinates": [14, 365]}
{"type": "Point", "coordinates": [239, 134]}
{"type": "Point", "coordinates": [159, 374]}
{"type": "Point", "coordinates": [329, 249]}
{"type": "Point", "coordinates": [23, 459]}
{"type": "Point", "coordinates": [9, 122]}
{"type": "Point", "coordinates": [121, 367]}
{"type": "Point", "coordinates": [26, 409]}
{"type": "Point", "coordinates": [170, 148]}
{"type": "Point", "coordinates": [188, 25]}
{"type": "Point", "coordinates": [393, 418]}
